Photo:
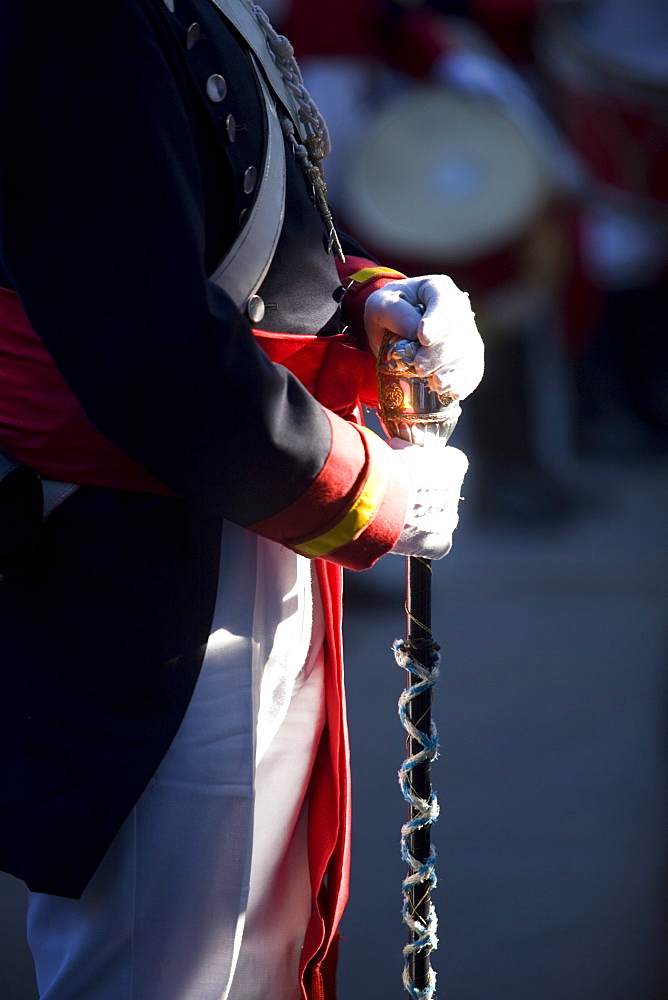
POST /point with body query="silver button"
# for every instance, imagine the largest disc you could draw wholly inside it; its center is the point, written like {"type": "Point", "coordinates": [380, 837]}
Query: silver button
{"type": "Point", "coordinates": [243, 216]}
{"type": "Point", "coordinates": [216, 87]}
{"type": "Point", "coordinates": [170, 5]}
{"type": "Point", "coordinates": [255, 309]}
{"type": "Point", "coordinates": [250, 180]}
{"type": "Point", "coordinates": [231, 126]}
{"type": "Point", "coordinates": [193, 35]}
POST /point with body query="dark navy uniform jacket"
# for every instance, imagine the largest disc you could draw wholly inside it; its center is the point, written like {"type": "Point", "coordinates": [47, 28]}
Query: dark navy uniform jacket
{"type": "Point", "coordinates": [120, 190]}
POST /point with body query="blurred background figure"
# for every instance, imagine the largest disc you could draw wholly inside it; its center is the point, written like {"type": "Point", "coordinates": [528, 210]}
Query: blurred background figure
{"type": "Point", "coordinates": [605, 67]}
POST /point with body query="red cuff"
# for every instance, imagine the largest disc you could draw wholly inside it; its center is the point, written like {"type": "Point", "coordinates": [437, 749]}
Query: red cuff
{"type": "Point", "coordinates": [354, 511]}
{"type": "Point", "coordinates": [358, 290]}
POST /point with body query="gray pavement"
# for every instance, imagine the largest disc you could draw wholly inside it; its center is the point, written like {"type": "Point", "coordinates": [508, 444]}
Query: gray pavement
{"type": "Point", "coordinates": [551, 711]}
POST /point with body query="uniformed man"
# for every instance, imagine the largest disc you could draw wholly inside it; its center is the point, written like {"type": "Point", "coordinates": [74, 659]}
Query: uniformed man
{"type": "Point", "coordinates": [174, 367]}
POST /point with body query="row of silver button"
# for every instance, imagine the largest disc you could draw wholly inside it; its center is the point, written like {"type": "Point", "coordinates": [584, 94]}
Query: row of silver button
{"type": "Point", "coordinates": [216, 91]}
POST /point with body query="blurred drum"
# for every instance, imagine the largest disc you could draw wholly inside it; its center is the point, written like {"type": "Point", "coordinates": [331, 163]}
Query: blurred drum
{"type": "Point", "coordinates": [442, 182]}
{"type": "Point", "coordinates": [608, 66]}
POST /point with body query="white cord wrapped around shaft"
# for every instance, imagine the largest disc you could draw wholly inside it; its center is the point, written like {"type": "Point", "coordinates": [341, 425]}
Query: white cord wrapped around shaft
{"type": "Point", "coordinates": [424, 812]}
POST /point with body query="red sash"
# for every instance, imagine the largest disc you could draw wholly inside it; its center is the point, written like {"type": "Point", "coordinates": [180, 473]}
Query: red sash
{"type": "Point", "coordinates": [329, 807]}
{"type": "Point", "coordinates": [335, 373]}
{"type": "Point", "coordinates": [331, 368]}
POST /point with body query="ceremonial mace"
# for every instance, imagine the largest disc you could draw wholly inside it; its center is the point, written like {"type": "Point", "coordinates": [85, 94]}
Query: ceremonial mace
{"type": "Point", "coordinates": [411, 410]}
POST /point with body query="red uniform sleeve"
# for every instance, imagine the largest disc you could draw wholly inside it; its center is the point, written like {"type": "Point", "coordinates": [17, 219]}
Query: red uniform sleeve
{"type": "Point", "coordinates": [354, 511]}
{"type": "Point", "coordinates": [360, 277]}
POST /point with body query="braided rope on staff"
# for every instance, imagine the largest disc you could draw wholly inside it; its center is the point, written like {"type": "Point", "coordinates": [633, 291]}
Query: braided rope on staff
{"type": "Point", "coordinates": [424, 812]}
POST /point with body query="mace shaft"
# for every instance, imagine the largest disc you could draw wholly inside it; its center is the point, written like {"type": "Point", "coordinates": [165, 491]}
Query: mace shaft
{"type": "Point", "coordinates": [419, 636]}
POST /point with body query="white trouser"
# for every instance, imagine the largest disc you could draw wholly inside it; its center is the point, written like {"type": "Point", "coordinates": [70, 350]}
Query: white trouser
{"type": "Point", "coordinates": [181, 908]}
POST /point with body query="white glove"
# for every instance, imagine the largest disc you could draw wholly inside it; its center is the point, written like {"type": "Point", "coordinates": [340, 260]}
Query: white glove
{"type": "Point", "coordinates": [434, 311]}
{"type": "Point", "coordinates": [436, 476]}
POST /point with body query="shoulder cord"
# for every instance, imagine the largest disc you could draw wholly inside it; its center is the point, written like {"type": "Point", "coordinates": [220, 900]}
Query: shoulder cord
{"type": "Point", "coordinates": [310, 152]}
{"type": "Point", "coordinates": [284, 56]}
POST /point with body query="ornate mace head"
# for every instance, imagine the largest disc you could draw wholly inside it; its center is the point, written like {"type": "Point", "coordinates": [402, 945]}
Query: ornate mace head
{"type": "Point", "coordinates": [409, 408]}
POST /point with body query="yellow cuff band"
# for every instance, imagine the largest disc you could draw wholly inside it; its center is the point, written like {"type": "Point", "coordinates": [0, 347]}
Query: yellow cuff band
{"type": "Point", "coordinates": [374, 272]}
{"type": "Point", "coordinates": [362, 512]}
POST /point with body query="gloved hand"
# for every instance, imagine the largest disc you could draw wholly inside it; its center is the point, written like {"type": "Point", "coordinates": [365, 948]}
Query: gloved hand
{"type": "Point", "coordinates": [452, 352]}
{"type": "Point", "coordinates": [436, 476]}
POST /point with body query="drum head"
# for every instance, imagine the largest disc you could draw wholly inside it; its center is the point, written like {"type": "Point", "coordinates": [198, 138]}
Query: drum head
{"type": "Point", "coordinates": [440, 176]}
